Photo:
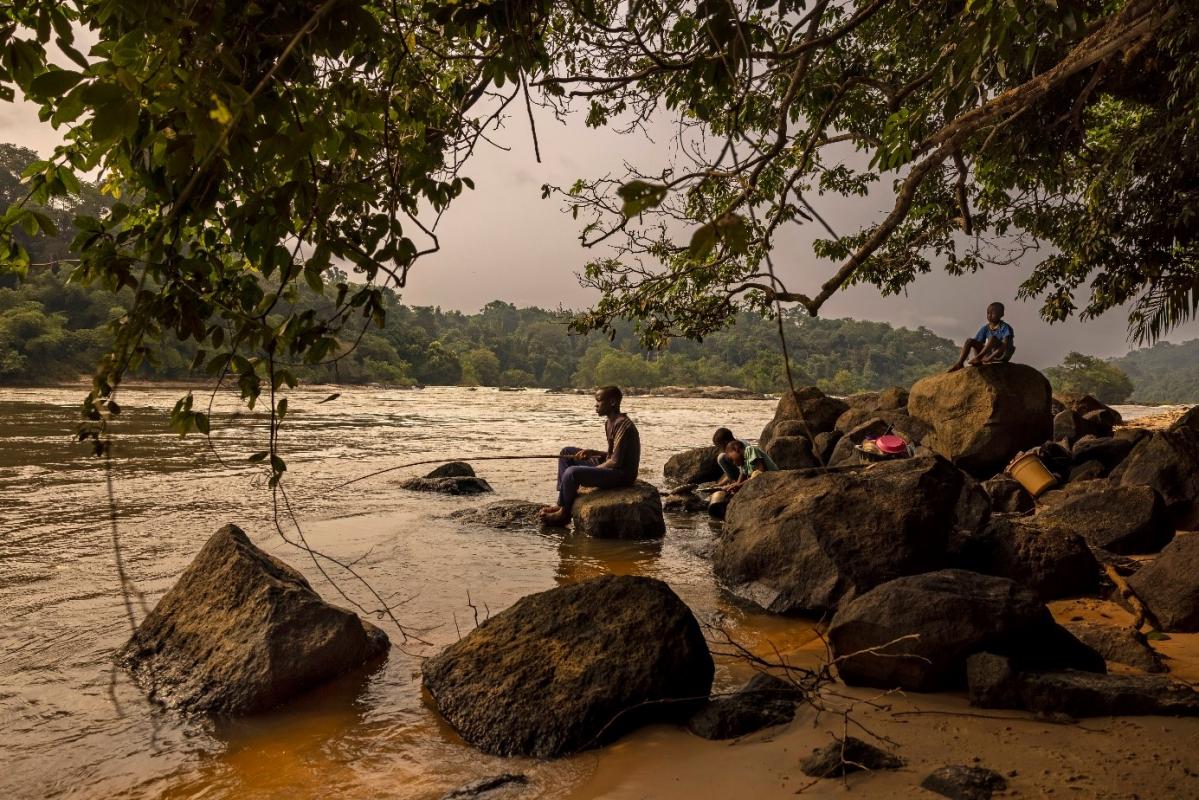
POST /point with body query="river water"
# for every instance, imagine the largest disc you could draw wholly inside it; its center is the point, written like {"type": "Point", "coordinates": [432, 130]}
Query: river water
{"type": "Point", "coordinates": [72, 726]}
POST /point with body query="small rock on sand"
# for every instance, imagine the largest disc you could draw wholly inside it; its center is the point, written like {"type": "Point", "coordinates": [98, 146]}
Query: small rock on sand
{"type": "Point", "coordinates": [761, 703]}
{"type": "Point", "coordinates": [960, 782]}
{"type": "Point", "coordinates": [849, 755]}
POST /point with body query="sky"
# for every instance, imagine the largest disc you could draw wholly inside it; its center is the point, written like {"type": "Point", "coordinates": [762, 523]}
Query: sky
{"type": "Point", "coordinates": [503, 242]}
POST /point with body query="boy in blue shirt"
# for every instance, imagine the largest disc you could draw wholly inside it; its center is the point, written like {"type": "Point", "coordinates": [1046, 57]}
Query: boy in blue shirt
{"type": "Point", "coordinates": [995, 341]}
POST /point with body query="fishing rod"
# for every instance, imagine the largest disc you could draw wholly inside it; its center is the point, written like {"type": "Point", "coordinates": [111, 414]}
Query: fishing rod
{"type": "Point", "coordinates": [440, 461]}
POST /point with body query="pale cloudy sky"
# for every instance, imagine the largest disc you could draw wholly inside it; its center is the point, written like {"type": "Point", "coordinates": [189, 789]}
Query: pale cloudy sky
{"type": "Point", "coordinates": [503, 241]}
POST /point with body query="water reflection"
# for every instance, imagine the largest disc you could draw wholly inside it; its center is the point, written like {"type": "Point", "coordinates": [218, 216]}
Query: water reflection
{"type": "Point", "coordinates": [581, 557]}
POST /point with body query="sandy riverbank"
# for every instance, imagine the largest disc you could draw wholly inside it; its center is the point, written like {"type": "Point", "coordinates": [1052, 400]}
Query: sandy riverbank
{"type": "Point", "coordinates": [1124, 757]}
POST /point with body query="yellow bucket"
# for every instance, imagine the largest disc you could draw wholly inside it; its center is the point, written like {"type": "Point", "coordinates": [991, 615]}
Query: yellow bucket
{"type": "Point", "coordinates": [1031, 474]}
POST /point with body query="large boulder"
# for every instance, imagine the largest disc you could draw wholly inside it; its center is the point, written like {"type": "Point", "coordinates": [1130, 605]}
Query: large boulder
{"type": "Point", "coordinates": [1083, 404]}
{"type": "Point", "coordinates": [1053, 563]}
{"type": "Point", "coordinates": [1169, 462]}
{"type": "Point", "coordinates": [984, 415]}
{"type": "Point", "coordinates": [241, 632]}
{"type": "Point", "coordinates": [1169, 587]}
{"type": "Point", "coordinates": [811, 405]}
{"type": "Point", "coordinates": [697, 465]}
{"type": "Point", "coordinates": [805, 541]}
{"type": "Point", "coordinates": [572, 668]}
{"type": "Point", "coordinates": [634, 512]}
{"type": "Point", "coordinates": [791, 452]}
{"type": "Point", "coordinates": [996, 683]}
{"type": "Point", "coordinates": [1120, 519]}
{"type": "Point", "coordinates": [949, 615]}
{"type": "Point", "coordinates": [1190, 419]}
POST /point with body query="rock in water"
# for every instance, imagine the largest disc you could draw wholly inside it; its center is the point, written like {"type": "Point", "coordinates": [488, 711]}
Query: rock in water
{"type": "Point", "coordinates": [241, 631]}
{"type": "Point", "coordinates": [762, 702]}
{"type": "Point", "coordinates": [1120, 519]}
{"type": "Point", "coordinates": [954, 614]}
{"type": "Point", "coordinates": [1169, 462]}
{"type": "Point", "coordinates": [982, 416]}
{"type": "Point", "coordinates": [1052, 562]}
{"type": "Point", "coordinates": [805, 541]}
{"type": "Point", "coordinates": [692, 466]}
{"type": "Point", "coordinates": [453, 469]}
{"type": "Point", "coordinates": [572, 667]}
{"type": "Point", "coordinates": [1168, 587]}
{"type": "Point", "coordinates": [449, 485]}
{"type": "Point", "coordinates": [960, 782]}
{"type": "Point", "coordinates": [634, 512]}
{"type": "Point", "coordinates": [503, 515]}
{"type": "Point", "coordinates": [994, 683]}
{"type": "Point", "coordinates": [842, 757]}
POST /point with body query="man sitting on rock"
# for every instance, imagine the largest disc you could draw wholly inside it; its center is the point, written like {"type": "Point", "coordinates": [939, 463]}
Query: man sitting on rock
{"type": "Point", "coordinates": [612, 470]}
{"type": "Point", "coordinates": [995, 341]}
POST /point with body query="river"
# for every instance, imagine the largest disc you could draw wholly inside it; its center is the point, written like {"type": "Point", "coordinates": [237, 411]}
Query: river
{"type": "Point", "coordinates": [73, 726]}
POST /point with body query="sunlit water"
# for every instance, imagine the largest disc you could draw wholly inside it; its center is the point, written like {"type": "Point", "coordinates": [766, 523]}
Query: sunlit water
{"type": "Point", "coordinates": [70, 725]}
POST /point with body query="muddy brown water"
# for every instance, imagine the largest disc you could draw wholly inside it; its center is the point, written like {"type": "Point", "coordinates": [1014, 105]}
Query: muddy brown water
{"type": "Point", "coordinates": [72, 726]}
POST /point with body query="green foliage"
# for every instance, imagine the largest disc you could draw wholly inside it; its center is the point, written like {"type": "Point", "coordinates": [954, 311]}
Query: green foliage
{"type": "Point", "coordinates": [1081, 374]}
{"type": "Point", "coordinates": [52, 330]}
{"type": "Point", "coordinates": [1164, 373]}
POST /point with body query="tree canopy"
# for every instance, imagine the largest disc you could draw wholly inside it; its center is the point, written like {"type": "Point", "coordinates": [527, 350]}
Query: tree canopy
{"type": "Point", "coordinates": [1082, 374]}
{"type": "Point", "coordinates": [251, 149]}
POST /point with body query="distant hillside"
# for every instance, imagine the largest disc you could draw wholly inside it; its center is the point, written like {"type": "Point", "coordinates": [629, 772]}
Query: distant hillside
{"type": "Point", "coordinates": [1164, 373]}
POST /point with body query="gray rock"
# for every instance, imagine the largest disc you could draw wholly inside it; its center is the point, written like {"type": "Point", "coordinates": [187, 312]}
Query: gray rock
{"type": "Point", "coordinates": [791, 452]}
{"type": "Point", "coordinates": [1068, 426]}
{"type": "Point", "coordinates": [1086, 471]}
{"type": "Point", "coordinates": [684, 503]}
{"type": "Point", "coordinates": [807, 540]}
{"type": "Point", "coordinates": [1120, 519]}
{"type": "Point", "coordinates": [1169, 462]}
{"type": "Point", "coordinates": [763, 702]}
{"type": "Point", "coordinates": [1102, 420]}
{"type": "Point", "coordinates": [1077, 694]}
{"type": "Point", "coordinates": [572, 668]}
{"type": "Point", "coordinates": [634, 512]}
{"type": "Point", "coordinates": [503, 515]}
{"type": "Point", "coordinates": [951, 614]}
{"type": "Point", "coordinates": [1007, 495]}
{"type": "Point", "coordinates": [453, 485]}
{"type": "Point", "coordinates": [790, 427]}
{"type": "Point", "coordinates": [1083, 404]}
{"type": "Point", "coordinates": [960, 782]}
{"type": "Point", "coordinates": [1108, 451]}
{"type": "Point", "coordinates": [1052, 562]}
{"type": "Point", "coordinates": [1133, 435]}
{"type": "Point", "coordinates": [1121, 645]}
{"type": "Point", "coordinates": [1188, 420]}
{"type": "Point", "coordinates": [982, 416]}
{"type": "Point", "coordinates": [842, 757]}
{"type": "Point", "coordinates": [697, 465]}
{"type": "Point", "coordinates": [818, 410]}
{"type": "Point", "coordinates": [1168, 587]}
{"type": "Point", "coordinates": [453, 469]}
{"type": "Point", "coordinates": [241, 632]}
{"type": "Point", "coordinates": [824, 444]}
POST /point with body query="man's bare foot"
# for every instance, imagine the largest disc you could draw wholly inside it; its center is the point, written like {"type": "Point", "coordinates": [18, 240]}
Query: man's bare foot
{"type": "Point", "coordinates": [547, 510]}
{"type": "Point", "coordinates": [955, 367]}
{"type": "Point", "coordinates": [558, 519]}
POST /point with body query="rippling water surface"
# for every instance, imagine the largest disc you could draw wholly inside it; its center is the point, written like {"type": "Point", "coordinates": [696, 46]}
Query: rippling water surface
{"type": "Point", "coordinates": [72, 726]}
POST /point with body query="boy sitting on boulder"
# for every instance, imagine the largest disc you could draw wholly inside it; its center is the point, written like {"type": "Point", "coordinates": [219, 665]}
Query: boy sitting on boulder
{"type": "Point", "coordinates": [995, 341]}
{"type": "Point", "coordinates": [615, 469]}
{"type": "Point", "coordinates": [721, 439]}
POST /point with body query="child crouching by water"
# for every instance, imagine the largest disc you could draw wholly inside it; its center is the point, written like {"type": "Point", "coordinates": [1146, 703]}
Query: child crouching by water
{"type": "Point", "coordinates": [747, 461]}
